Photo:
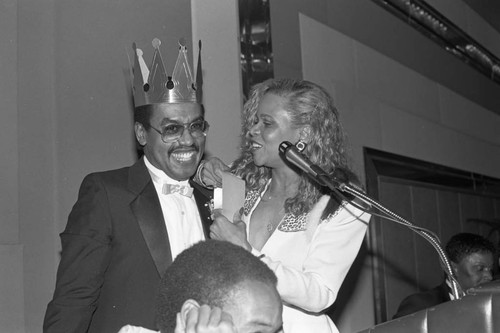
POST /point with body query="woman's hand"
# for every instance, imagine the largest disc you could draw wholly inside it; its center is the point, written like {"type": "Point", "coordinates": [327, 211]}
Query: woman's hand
{"type": "Point", "coordinates": [211, 173]}
{"type": "Point", "coordinates": [205, 320]}
{"type": "Point", "coordinates": [234, 232]}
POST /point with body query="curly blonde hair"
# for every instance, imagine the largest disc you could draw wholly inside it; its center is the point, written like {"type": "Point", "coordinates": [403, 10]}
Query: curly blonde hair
{"type": "Point", "coordinates": [307, 104]}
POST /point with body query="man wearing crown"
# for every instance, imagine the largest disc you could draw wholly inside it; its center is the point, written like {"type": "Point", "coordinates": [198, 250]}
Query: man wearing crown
{"type": "Point", "coordinates": [129, 224]}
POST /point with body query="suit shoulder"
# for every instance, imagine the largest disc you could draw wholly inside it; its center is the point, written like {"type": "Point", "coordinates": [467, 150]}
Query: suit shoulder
{"type": "Point", "coordinates": [115, 175]}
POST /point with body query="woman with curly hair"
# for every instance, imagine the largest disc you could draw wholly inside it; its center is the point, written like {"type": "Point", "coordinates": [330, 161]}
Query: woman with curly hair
{"type": "Point", "coordinates": [308, 236]}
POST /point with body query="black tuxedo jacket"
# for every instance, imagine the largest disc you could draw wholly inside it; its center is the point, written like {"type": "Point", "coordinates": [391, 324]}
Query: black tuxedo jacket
{"type": "Point", "coordinates": [115, 248]}
{"type": "Point", "coordinates": [423, 300]}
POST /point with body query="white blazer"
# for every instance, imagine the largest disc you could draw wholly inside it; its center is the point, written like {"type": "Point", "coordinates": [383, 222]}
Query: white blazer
{"type": "Point", "coordinates": [311, 261]}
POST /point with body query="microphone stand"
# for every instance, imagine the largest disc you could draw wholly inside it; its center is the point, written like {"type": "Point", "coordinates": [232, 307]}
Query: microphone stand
{"type": "Point", "coordinates": [339, 187]}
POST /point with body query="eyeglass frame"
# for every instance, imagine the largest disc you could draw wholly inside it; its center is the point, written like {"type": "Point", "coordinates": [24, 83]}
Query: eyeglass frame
{"type": "Point", "coordinates": [184, 127]}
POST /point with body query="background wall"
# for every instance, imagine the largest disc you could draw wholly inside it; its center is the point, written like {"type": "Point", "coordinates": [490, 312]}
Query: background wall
{"type": "Point", "coordinates": [216, 23]}
{"type": "Point", "coordinates": [66, 106]}
{"type": "Point", "coordinates": [11, 248]}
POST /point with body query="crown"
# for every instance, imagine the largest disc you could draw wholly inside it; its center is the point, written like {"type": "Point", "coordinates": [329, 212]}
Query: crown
{"type": "Point", "coordinates": [152, 85]}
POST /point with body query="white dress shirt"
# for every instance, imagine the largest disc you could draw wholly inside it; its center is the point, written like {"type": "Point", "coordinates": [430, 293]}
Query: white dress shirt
{"type": "Point", "coordinates": [180, 212]}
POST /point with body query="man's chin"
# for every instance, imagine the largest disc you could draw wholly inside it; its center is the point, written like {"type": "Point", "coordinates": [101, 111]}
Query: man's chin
{"type": "Point", "coordinates": [186, 172]}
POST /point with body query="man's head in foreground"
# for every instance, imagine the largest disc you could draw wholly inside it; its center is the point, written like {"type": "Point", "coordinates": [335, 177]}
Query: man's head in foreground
{"type": "Point", "coordinates": [220, 274]}
{"type": "Point", "coordinates": [471, 258]}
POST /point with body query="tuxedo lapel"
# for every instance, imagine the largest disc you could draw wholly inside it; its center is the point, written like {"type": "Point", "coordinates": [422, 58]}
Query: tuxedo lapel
{"type": "Point", "coordinates": [203, 198]}
{"type": "Point", "coordinates": [147, 210]}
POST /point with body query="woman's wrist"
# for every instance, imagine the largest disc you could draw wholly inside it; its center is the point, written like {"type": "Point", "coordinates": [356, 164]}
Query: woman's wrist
{"type": "Point", "coordinates": [198, 176]}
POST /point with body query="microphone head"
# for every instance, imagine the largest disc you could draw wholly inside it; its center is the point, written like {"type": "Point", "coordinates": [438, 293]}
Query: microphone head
{"type": "Point", "coordinates": [284, 146]}
{"type": "Point", "coordinates": [293, 156]}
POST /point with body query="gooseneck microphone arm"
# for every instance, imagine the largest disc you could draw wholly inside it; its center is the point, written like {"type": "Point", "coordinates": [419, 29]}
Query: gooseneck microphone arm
{"type": "Point", "coordinates": [342, 186]}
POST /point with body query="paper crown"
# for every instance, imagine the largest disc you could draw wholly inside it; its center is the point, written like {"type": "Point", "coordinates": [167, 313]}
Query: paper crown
{"type": "Point", "coordinates": [152, 85]}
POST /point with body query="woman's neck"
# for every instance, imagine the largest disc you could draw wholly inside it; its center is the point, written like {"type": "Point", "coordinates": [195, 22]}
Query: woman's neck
{"type": "Point", "coordinates": [284, 183]}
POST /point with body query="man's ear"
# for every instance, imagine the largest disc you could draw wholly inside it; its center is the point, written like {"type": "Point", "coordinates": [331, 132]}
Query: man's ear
{"type": "Point", "coordinates": [187, 306]}
{"type": "Point", "coordinates": [140, 134]}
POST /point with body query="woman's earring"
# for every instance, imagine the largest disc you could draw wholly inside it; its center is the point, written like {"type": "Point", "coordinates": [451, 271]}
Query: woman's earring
{"type": "Point", "coordinates": [301, 145]}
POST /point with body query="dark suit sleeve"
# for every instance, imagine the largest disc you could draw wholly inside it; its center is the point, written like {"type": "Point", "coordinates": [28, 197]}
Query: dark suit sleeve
{"type": "Point", "coordinates": [86, 244]}
{"type": "Point", "coordinates": [409, 305]}
{"type": "Point", "coordinates": [422, 300]}
{"type": "Point", "coordinates": [417, 302]}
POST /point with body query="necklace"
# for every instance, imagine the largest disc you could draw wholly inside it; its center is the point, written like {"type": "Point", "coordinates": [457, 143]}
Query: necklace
{"type": "Point", "coordinates": [273, 200]}
{"type": "Point", "coordinates": [275, 221]}
{"type": "Point", "coordinates": [270, 227]}
{"type": "Point", "coordinates": [267, 197]}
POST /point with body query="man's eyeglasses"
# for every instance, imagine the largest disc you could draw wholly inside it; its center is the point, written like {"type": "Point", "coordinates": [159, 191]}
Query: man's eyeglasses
{"type": "Point", "coordinates": [173, 132]}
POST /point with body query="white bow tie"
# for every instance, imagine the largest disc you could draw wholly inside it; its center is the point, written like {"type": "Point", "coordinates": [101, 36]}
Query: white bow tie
{"type": "Point", "coordinates": [181, 189]}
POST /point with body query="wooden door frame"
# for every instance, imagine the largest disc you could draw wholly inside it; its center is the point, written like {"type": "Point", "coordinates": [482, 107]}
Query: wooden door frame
{"type": "Point", "coordinates": [379, 165]}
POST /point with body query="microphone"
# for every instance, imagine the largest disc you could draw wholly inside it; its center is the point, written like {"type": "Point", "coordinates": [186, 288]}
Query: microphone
{"type": "Point", "coordinates": [294, 156]}
{"type": "Point", "coordinates": [339, 182]}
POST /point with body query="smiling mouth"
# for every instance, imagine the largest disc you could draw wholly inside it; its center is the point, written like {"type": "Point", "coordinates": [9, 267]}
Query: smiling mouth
{"type": "Point", "coordinates": [183, 157]}
{"type": "Point", "coordinates": [255, 146]}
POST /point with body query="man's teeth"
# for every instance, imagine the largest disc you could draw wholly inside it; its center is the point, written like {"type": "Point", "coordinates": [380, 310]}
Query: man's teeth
{"type": "Point", "coordinates": [182, 157]}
